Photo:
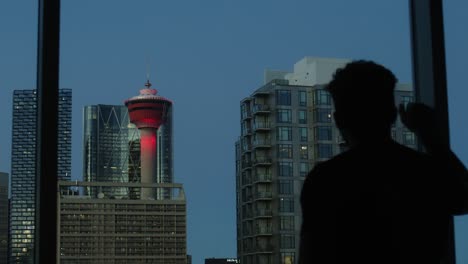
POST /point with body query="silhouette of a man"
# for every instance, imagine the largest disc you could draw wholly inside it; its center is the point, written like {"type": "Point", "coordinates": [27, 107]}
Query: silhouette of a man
{"type": "Point", "coordinates": [380, 202]}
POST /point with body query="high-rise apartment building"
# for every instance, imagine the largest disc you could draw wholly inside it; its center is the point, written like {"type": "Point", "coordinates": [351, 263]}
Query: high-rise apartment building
{"type": "Point", "coordinates": [4, 206]}
{"type": "Point", "coordinates": [23, 167]}
{"type": "Point", "coordinates": [286, 128]}
{"type": "Point", "coordinates": [111, 148]}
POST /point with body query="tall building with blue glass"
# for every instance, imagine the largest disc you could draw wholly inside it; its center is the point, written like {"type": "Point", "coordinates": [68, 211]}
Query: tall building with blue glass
{"type": "Point", "coordinates": [4, 208]}
{"type": "Point", "coordinates": [111, 149]}
{"type": "Point", "coordinates": [23, 167]}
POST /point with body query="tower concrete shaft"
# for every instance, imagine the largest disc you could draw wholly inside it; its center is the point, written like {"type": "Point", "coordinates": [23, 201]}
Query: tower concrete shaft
{"type": "Point", "coordinates": [148, 149]}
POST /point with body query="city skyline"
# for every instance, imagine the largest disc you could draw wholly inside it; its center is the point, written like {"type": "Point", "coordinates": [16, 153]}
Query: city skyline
{"type": "Point", "coordinates": [207, 60]}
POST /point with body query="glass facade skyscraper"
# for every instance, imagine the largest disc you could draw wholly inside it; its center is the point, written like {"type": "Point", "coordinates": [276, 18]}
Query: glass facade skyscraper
{"type": "Point", "coordinates": [111, 150]}
{"type": "Point", "coordinates": [4, 204]}
{"type": "Point", "coordinates": [23, 167]}
{"type": "Point", "coordinates": [286, 128]}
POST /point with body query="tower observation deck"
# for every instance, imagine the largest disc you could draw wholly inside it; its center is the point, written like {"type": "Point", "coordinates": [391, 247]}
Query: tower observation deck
{"type": "Point", "coordinates": [148, 111]}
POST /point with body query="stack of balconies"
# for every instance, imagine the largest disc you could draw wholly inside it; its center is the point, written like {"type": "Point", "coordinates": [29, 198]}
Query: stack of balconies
{"type": "Point", "coordinates": [256, 182]}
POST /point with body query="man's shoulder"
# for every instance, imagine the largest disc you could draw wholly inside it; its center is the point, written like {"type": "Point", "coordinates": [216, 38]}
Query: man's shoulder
{"type": "Point", "coordinates": [371, 157]}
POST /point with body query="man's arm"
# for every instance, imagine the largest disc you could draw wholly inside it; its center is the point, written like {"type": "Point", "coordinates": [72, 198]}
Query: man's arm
{"type": "Point", "coordinates": [420, 119]}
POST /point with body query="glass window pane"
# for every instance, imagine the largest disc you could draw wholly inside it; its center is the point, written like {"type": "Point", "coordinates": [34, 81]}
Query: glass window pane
{"type": "Point", "coordinates": [286, 205]}
{"type": "Point", "coordinates": [303, 134]}
{"type": "Point", "coordinates": [285, 187]}
{"type": "Point", "coordinates": [322, 115]}
{"type": "Point", "coordinates": [283, 97]}
{"type": "Point", "coordinates": [285, 169]}
{"type": "Point", "coordinates": [302, 98]}
{"type": "Point", "coordinates": [302, 117]}
{"type": "Point", "coordinates": [323, 151]}
{"type": "Point", "coordinates": [284, 134]}
{"type": "Point", "coordinates": [283, 116]}
{"type": "Point", "coordinates": [323, 133]}
{"type": "Point", "coordinates": [285, 151]}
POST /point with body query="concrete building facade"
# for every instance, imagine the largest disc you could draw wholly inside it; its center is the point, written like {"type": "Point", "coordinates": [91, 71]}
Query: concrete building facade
{"type": "Point", "coordinates": [286, 128]}
{"type": "Point", "coordinates": [119, 229]}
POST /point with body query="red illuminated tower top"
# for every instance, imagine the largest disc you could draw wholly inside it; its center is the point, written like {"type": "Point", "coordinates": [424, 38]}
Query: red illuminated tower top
{"type": "Point", "coordinates": [148, 110]}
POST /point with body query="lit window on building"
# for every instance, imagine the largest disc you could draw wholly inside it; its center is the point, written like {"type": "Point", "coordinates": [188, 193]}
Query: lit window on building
{"type": "Point", "coordinates": [322, 115]}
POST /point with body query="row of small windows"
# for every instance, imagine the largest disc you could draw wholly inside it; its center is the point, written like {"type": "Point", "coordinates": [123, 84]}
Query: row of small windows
{"type": "Point", "coordinates": [285, 151]}
{"type": "Point", "coordinates": [283, 97]}
{"type": "Point", "coordinates": [320, 133]}
{"type": "Point", "coordinates": [320, 97]}
{"type": "Point", "coordinates": [284, 116]}
{"type": "Point", "coordinates": [285, 168]}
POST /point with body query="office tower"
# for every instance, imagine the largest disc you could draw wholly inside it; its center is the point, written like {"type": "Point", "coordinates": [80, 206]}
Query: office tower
{"type": "Point", "coordinates": [4, 206]}
{"type": "Point", "coordinates": [286, 128]}
{"type": "Point", "coordinates": [120, 216]}
{"type": "Point", "coordinates": [23, 167]}
{"type": "Point", "coordinates": [111, 148]}
{"type": "Point", "coordinates": [121, 229]}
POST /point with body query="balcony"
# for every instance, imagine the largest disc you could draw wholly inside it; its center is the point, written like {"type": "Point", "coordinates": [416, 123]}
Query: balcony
{"type": "Point", "coordinates": [265, 249]}
{"type": "Point", "coordinates": [246, 164]}
{"type": "Point", "coordinates": [262, 143]}
{"type": "Point", "coordinates": [246, 115]}
{"type": "Point", "coordinates": [261, 109]}
{"type": "Point", "coordinates": [247, 132]}
{"type": "Point", "coordinates": [262, 161]}
{"type": "Point", "coordinates": [263, 196]}
{"type": "Point", "coordinates": [262, 126]}
{"type": "Point", "coordinates": [247, 233]}
{"type": "Point", "coordinates": [263, 231]}
{"type": "Point", "coordinates": [259, 213]}
{"type": "Point", "coordinates": [262, 178]}
{"type": "Point", "coordinates": [247, 215]}
{"type": "Point", "coordinates": [246, 181]}
{"type": "Point", "coordinates": [247, 148]}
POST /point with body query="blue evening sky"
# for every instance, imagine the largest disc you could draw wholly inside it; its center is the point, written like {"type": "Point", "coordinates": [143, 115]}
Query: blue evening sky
{"type": "Point", "coordinates": [207, 55]}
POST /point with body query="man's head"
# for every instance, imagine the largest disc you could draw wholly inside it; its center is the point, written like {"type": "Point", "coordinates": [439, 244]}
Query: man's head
{"type": "Point", "coordinates": [363, 94]}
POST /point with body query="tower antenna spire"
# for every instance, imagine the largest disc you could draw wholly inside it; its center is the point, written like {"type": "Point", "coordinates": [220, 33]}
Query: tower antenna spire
{"type": "Point", "coordinates": [148, 64]}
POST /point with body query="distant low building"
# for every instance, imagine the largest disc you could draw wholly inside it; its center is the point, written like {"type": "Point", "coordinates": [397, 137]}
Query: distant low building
{"type": "Point", "coordinates": [120, 229]}
{"type": "Point", "coordinates": [221, 261]}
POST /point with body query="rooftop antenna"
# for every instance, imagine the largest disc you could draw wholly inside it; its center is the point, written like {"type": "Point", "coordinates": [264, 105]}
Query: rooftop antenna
{"type": "Point", "coordinates": [148, 84]}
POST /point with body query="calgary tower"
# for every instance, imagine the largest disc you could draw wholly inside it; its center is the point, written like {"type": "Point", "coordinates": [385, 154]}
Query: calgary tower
{"type": "Point", "coordinates": [148, 111]}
